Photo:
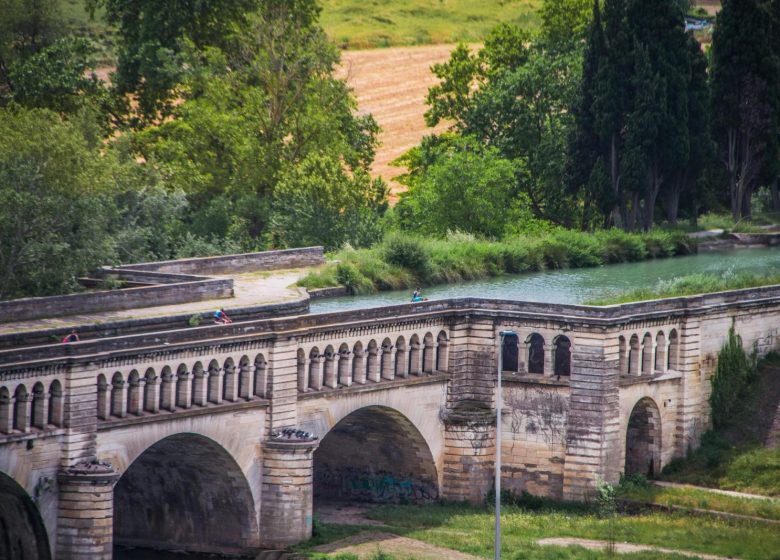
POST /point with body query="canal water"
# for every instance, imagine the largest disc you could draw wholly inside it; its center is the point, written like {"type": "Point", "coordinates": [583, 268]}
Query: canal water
{"type": "Point", "coordinates": [575, 285]}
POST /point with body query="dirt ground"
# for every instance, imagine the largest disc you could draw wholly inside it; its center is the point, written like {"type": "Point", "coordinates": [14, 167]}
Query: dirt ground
{"type": "Point", "coordinates": [392, 84]}
{"type": "Point", "coordinates": [365, 545]}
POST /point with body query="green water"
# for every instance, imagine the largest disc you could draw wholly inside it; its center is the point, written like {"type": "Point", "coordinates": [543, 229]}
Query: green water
{"type": "Point", "coordinates": [576, 285]}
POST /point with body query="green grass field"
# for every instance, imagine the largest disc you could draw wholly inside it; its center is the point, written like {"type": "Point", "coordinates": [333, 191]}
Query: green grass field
{"type": "Point", "coordinates": [470, 530]}
{"type": "Point", "coordinates": [360, 24]}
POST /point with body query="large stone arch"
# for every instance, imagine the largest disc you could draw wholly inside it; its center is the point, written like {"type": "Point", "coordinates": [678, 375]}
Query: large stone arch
{"type": "Point", "coordinates": [643, 439]}
{"type": "Point", "coordinates": [375, 454]}
{"type": "Point", "coordinates": [22, 532]}
{"type": "Point", "coordinates": [185, 492]}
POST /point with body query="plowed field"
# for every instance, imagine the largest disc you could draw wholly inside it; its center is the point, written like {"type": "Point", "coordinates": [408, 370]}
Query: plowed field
{"type": "Point", "coordinates": [391, 84]}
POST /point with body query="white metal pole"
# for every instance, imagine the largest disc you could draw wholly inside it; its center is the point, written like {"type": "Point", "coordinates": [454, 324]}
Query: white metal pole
{"type": "Point", "coordinates": [497, 544]}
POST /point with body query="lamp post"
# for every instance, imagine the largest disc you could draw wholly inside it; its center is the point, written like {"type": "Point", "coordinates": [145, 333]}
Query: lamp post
{"type": "Point", "coordinates": [499, 401]}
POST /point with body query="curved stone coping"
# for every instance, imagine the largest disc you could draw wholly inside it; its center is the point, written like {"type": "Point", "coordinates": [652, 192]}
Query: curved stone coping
{"type": "Point", "coordinates": [185, 290]}
{"type": "Point", "coordinates": [592, 316]}
{"type": "Point", "coordinates": [263, 260]}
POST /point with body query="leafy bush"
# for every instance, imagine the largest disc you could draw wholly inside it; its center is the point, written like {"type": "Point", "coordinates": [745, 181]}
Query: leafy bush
{"type": "Point", "coordinates": [734, 372]}
{"type": "Point", "coordinates": [407, 252]}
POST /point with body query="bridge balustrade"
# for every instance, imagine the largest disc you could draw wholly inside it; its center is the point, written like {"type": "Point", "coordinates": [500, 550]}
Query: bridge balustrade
{"type": "Point", "coordinates": [653, 355]}
{"type": "Point", "coordinates": [371, 362]}
{"type": "Point", "coordinates": [170, 390]}
{"type": "Point", "coordinates": [24, 411]}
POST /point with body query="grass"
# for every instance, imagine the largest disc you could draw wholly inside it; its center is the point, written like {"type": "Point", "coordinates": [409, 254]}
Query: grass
{"type": "Point", "coordinates": [470, 530]}
{"type": "Point", "coordinates": [702, 499]}
{"type": "Point", "coordinates": [733, 457]}
{"type": "Point", "coordinates": [359, 24]}
{"type": "Point", "coordinates": [402, 261]}
{"type": "Point", "coordinates": [691, 284]}
{"type": "Point", "coordinates": [718, 463]}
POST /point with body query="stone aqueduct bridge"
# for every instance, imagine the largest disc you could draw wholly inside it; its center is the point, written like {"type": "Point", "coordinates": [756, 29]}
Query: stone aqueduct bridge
{"type": "Point", "coordinates": [170, 438]}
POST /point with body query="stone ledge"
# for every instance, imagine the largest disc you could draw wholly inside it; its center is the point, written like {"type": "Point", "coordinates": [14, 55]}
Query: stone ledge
{"type": "Point", "coordinates": [535, 379]}
{"type": "Point", "coordinates": [628, 380]}
{"type": "Point", "coordinates": [369, 386]}
{"type": "Point", "coordinates": [163, 416]}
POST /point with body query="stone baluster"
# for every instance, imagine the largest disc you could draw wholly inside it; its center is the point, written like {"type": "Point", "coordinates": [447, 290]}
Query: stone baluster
{"type": "Point", "coordinates": [329, 371]}
{"type": "Point", "coordinates": [373, 363]}
{"type": "Point", "coordinates": [359, 367]}
{"type": "Point", "coordinates": [40, 417]}
{"type": "Point", "coordinates": [345, 368]}
{"type": "Point", "coordinates": [316, 364]}
{"type": "Point", "coordinates": [6, 414]}
{"type": "Point", "coordinates": [152, 395]}
{"type": "Point", "coordinates": [103, 399]}
{"type": "Point", "coordinates": [183, 389]}
{"type": "Point", "coordinates": [134, 401]}
{"type": "Point", "coordinates": [387, 359]}
{"type": "Point", "coordinates": [199, 380]}
{"type": "Point", "coordinates": [231, 384]}
{"type": "Point", "coordinates": [215, 386]}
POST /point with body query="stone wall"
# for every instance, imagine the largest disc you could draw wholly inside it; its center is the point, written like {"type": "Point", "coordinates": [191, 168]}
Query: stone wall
{"type": "Point", "coordinates": [246, 262]}
{"type": "Point", "coordinates": [114, 300]}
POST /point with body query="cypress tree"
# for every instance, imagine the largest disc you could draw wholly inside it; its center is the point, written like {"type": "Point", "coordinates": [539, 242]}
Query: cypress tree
{"type": "Point", "coordinates": [583, 142]}
{"type": "Point", "coordinates": [744, 92]}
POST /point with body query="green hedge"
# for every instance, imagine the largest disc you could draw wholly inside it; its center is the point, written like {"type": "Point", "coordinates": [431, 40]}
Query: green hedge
{"type": "Point", "coordinates": [403, 261]}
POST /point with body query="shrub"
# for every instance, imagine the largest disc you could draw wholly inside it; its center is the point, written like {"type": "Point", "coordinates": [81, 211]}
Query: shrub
{"type": "Point", "coordinates": [734, 372]}
{"type": "Point", "coordinates": [349, 276]}
{"type": "Point", "coordinates": [407, 252]}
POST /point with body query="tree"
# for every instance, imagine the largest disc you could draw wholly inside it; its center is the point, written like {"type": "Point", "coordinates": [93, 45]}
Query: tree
{"type": "Point", "coordinates": [55, 204]}
{"type": "Point", "coordinates": [319, 203]}
{"type": "Point", "coordinates": [514, 96]}
{"type": "Point", "coordinates": [152, 37]}
{"type": "Point", "coordinates": [252, 114]}
{"type": "Point", "coordinates": [457, 183]}
{"type": "Point", "coordinates": [745, 73]}
{"type": "Point", "coordinates": [565, 22]}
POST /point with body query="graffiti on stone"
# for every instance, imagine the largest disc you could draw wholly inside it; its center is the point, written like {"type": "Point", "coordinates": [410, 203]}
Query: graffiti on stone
{"type": "Point", "coordinates": [371, 486]}
{"type": "Point", "coordinates": [538, 412]}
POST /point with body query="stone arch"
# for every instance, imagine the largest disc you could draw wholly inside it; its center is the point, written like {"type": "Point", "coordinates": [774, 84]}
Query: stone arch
{"type": "Point", "coordinates": [55, 403]}
{"type": "Point", "coordinates": [329, 368]}
{"type": "Point", "coordinates": [442, 352]}
{"type": "Point", "coordinates": [401, 363]}
{"type": "Point", "coordinates": [358, 366]}
{"type": "Point", "coordinates": [643, 439]}
{"type": "Point", "coordinates": [261, 377]}
{"type": "Point", "coordinates": [386, 360]}
{"type": "Point", "coordinates": [429, 354]}
{"type": "Point", "coordinates": [561, 356]}
{"type": "Point", "coordinates": [22, 531]}
{"type": "Point", "coordinates": [622, 362]}
{"type": "Point", "coordinates": [375, 454]}
{"type": "Point", "coordinates": [510, 353]}
{"type": "Point", "coordinates": [185, 492]}
{"type": "Point", "coordinates": [647, 354]}
{"type": "Point", "coordinates": [535, 343]}
{"type": "Point", "coordinates": [673, 359]}
{"type": "Point", "coordinates": [633, 355]}
{"type": "Point", "coordinates": [38, 415]}
{"type": "Point", "coordinates": [660, 351]}
{"type": "Point", "coordinates": [151, 388]}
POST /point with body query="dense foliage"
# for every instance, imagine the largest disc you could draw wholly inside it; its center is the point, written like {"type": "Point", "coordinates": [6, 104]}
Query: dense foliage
{"type": "Point", "coordinates": [224, 128]}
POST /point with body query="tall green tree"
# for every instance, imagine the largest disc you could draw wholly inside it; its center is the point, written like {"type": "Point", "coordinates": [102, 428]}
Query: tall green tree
{"type": "Point", "coordinates": [745, 74]}
{"type": "Point", "coordinates": [55, 204]}
{"type": "Point", "coordinates": [514, 95]}
{"type": "Point", "coordinates": [152, 38]}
